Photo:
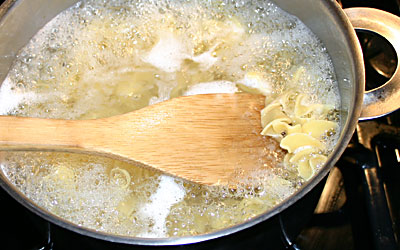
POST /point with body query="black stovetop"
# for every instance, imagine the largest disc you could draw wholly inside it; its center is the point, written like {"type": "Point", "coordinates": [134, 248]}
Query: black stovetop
{"type": "Point", "coordinates": [340, 220]}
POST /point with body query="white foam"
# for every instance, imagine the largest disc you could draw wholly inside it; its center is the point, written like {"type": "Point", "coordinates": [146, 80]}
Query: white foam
{"type": "Point", "coordinates": [10, 99]}
{"type": "Point", "coordinates": [167, 54]}
{"type": "Point", "coordinates": [211, 88]}
{"type": "Point", "coordinates": [168, 193]}
{"type": "Point", "coordinates": [257, 82]}
{"type": "Point", "coordinates": [206, 60]}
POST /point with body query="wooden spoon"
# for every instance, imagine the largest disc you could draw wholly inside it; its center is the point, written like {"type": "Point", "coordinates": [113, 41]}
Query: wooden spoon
{"type": "Point", "coordinates": [209, 139]}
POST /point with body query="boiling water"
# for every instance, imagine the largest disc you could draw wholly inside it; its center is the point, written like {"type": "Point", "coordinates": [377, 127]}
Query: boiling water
{"type": "Point", "coordinates": [116, 56]}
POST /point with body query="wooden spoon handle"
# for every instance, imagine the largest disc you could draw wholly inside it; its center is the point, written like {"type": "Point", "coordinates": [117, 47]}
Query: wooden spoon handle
{"type": "Point", "coordinates": [35, 134]}
{"type": "Point", "coordinates": [109, 137]}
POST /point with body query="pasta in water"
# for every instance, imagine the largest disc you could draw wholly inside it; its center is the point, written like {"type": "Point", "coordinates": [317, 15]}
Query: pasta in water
{"type": "Point", "coordinates": [117, 56]}
{"type": "Point", "coordinates": [301, 127]}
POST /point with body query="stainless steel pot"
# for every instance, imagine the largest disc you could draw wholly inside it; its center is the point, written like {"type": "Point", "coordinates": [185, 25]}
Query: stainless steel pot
{"type": "Point", "coordinates": [20, 20]}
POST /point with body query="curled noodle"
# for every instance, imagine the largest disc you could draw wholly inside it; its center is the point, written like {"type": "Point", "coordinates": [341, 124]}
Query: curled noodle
{"type": "Point", "coordinates": [301, 128]}
{"type": "Point", "coordinates": [121, 177]}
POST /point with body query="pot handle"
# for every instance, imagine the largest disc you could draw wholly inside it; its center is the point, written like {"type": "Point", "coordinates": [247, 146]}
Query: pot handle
{"type": "Point", "coordinates": [386, 98]}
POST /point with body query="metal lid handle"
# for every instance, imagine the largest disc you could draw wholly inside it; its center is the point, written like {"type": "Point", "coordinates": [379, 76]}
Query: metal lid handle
{"type": "Point", "coordinates": [386, 98]}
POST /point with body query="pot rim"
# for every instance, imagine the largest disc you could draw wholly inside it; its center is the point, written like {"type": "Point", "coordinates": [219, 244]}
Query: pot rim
{"type": "Point", "coordinates": [346, 134]}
